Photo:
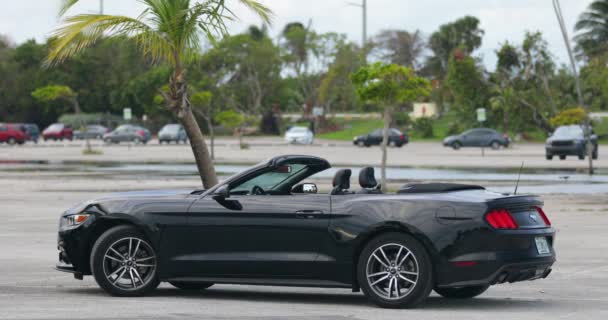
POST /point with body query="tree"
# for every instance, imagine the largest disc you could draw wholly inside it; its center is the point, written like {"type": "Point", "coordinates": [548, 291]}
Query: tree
{"type": "Point", "coordinates": [463, 34]}
{"type": "Point", "coordinates": [400, 47]}
{"type": "Point", "coordinates": [167, 32]}
{"type": "Point", "coordinates": [234, 121]}
{"type": "Point", "coordinates": [467, 86]}
{"type": "Point", "coordinates": [389, 85]}
{"type": "Point", "coordinates": [569, 117]}
{"type": "Point", "coordinates": [65, 93]}
{"type": "Point", "coordinates": [203, 106]}
{"type": "Point", "coordinates": [592, 29]}
{"type": "Point", "coordinates": [336, 91]}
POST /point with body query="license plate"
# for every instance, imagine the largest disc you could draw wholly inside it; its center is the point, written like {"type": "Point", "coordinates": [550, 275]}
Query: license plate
{"type": "Point", "coordinates": [542, 246]}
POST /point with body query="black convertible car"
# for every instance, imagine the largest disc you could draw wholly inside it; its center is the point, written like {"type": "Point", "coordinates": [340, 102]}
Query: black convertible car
{"type": "Point", "coordinates": [268, 226]}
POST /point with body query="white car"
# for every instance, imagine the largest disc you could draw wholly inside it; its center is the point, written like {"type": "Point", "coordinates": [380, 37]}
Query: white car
{"type": "Point", "coordinates": [299, 135]}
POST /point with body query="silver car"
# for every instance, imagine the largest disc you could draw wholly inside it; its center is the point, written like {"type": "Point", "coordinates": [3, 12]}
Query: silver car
{"type": "Point", "coordinates": [172, 133]}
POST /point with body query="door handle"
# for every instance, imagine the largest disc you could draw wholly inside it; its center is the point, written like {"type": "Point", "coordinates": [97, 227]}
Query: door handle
{"type": "Point", "coordinates": [308, 214]}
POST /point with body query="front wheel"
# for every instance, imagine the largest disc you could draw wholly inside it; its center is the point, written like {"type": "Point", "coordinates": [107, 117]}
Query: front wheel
{"type": "Point", "coordinates": [462, 293]}
{"type": "Point", "coordinates": [495, 145]}
{"type": "Point", "coordinates": [394, 271]}
{"type": "Point", "coordinates": [456, 145]}
{"type": "Point", "coordinates": [123, 263]}
{"type": "Point", "coordinates": [191, 285]}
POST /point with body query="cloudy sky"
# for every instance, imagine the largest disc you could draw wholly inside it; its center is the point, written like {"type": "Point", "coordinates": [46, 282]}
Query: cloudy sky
{"type": "Point", "coordinates": [501, 19]}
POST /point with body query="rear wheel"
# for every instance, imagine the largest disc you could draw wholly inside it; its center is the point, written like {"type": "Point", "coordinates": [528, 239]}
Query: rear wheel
{"type": "Point", "coordinates": [461, 293]}
{"type": "Point", "coordinates": [11, 141]}
{"type": "Point", "coordinates": [495, 145]}
{"type": "Point", "coordinates": [124, 263]}
{"type": "Point", "coordinates": [581, 156]}
{"type": "Point", "coordinates": [394, 271]}
{"type": "Point", "coordinates": [562, 157]}
{"type": "Point", "coordinates": [549, 156]}
{"type": "Point", "coordinates": [191, 285]}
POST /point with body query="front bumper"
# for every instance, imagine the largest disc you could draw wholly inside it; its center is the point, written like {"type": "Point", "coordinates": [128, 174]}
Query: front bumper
{"type": "Point", "coordinates": [572, 150]}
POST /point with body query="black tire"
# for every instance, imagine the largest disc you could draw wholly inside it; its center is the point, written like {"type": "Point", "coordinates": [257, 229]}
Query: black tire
{"type": "Point", "coordinates": [100, 265]}
{"type": "Point", "coordinates": [461, 293]}
{"type": "Point", "coordinates": [137, 141]}
{"type": "Point", "coordinates": [581, 156]}
{"type": "Point", "coordinates": [191, 286]}
{"type": "Point", "coordinates": [563, 157]}
{"type": "Point", "coordinates": [11, 141]}
{"type": "Point", "coordinates": [549, 156]}
{"type": "Point", "coordinates": [495, 145]}
{"type": "Point", "coordinates": [417, 292]}
{"type": "Point", "coordinates": [456, 145]}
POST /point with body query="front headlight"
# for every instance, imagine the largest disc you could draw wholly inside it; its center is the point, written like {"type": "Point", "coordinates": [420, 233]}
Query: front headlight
{"type": "Point", "coordinates": [74, 220]}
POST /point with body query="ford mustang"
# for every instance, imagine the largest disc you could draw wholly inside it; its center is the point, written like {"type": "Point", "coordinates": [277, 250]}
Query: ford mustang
{"type": "Point", "coordinates": [270, 226]}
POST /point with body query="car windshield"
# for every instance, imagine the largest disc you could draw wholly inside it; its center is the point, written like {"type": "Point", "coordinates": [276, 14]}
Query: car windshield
{"type": "Point", "coordinates": [298, 130]}
{"type": "Point", "coordinates": [171, 128]}
{"type": "Point", "coordinates": [123, 127]}
{"type": "Point", "coordinates": [55, 127]}
{"type": "Point", "coordinates": [569, 132]}
{"type": "Point", "coordinates": [269, 180]}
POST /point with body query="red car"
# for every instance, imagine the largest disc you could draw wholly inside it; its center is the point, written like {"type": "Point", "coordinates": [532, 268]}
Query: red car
{"type": "Point", "coordinates": [58, 131]}
{"type": "Point", "coordinates": [13, 133]}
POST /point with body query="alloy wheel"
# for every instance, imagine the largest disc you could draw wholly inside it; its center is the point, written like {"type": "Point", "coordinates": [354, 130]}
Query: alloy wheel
{"type": "Point", "coordinates": [129, 263]}
{"type": "Point", "coordinates": [392, 271]}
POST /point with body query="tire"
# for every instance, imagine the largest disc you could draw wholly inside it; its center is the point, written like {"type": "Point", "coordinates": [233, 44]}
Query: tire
{"type": "Point", "coordinates": [495, 145]}
{"type": "Point", "coordinates": [193, 286]}
{"type": "Point", "coordinates": [461, 293]}
{"type": "Point", "coordinates": [137, 141]}
{"type": "Point", "coordinates": [562, 157]}
{"type": "Point", "coordinates": [595, 154]}
{"type": "Point", "coordinates": [392, 144]}
{"type": "Point", "coordinates": [383, 285]}
{"type": "Point", "coordinates": [361, 144]}
{"type": "Point", "coordinates": [549, 156]}
{"type": "Point", "coordinates": [581, 156]}
{"type": "Point", "coordinates": [11, 141]}
{"type": "Point", "coordinates": [456, 145]}
{"type": "Point", "coordinates": [107, 141]}
{"type": "Point", "coordinates": [109, 268]}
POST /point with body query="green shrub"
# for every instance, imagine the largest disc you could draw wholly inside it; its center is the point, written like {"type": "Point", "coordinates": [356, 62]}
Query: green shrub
{"type": "Point", "coordinates": [402, 119]}
{"type": "Point", "coordinates": [569, 117]}
{"type": "Point", "coordinates": [423, 128]}
{"type": "Point", "coordinates": [455, 128]}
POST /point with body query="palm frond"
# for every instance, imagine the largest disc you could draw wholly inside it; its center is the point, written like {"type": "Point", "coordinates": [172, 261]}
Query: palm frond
{"type": "Point", "coordinates": [66, 5]}
{"type": "Point", "coordinates": [81, 31]}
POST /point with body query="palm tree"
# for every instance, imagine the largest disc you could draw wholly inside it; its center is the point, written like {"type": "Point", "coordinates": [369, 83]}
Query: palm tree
{"type": "Point", "coordinates": [592, 29]}
{"type": "Point", "coordinates": [167, 31]}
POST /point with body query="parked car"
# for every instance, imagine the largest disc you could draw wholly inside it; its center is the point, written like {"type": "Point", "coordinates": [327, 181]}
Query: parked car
{"type": "Point", "coordinates": [33, 131]}
{"type": "Point", "coordinates": [396, 138]}
{"type": "Point", "coordinates": [172, 133]}
{"type": "Point", "coordinates": [128, 133]}
{"type": "Point", "coordinates": [480, 137]}
{"type": "Point", "coordinates": [570, 141]}
{"type": "Point", "coordinates": [268, 226]}
{"type": "Point", "coordinates": [58, 131]}
{"type": "Point", "coordinates": [299, 135]}
{"type": "Point", "coordinates": [93, 131]}
{"type": "Point", "coordinates": [13, 133]}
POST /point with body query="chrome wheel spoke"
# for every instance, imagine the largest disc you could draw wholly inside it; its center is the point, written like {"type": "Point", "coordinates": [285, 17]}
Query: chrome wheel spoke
{"type": "Point", "coordinates": [397, 287]}
{"type": "Point", "coordinates": [120, 276]}
{"type": "Point", "coordinates": [114, 259]}
{"type": "Point", "coordinates": [136, 248]}
{"type": "Point", "coordinates": [388, 261]}
{"type": "Point", "coordinates": [377, 274]}
{"type": "Point", "coordinates": [144, 259]}
{"type": "Point", "coordinates": [146, 265]}
{"type": "Point", "coordinates": [379, 260]}
{"type": "Point", "coordinates": [130, 245]}
{"type": "Point", "coordinates": [409, 273]}
{"type": "Point", "coordinates": [379, 280]}
{"type": "Point", "coordinates": [406, 279]}
{"type": "Point", "coordinates": [404, 258]}
{"type": "Point", "coordinates": [132, 278]}
{"type": "Point", "coordinates": [116, 252]}
{"type": "Point", "coordinates": [390, 287]}
{"type": "Point", "coordinates": [136, 273]}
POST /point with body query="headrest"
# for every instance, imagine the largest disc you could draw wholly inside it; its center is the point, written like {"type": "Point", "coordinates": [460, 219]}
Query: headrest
{"type": "Point", "coordinates": [367, 179]}
{"type": "Point", "coordinates": [342, 179]}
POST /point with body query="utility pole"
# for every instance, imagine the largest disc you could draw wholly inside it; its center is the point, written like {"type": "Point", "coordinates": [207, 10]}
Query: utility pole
{"type": "Point", "coordinates": [587, 130]}
{"type": "Point", "coordinates": [100, 6]}
{"type": "Point", "coordinates": [363, 6]}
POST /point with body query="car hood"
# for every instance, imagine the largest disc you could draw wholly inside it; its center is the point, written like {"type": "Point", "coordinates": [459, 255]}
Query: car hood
{"type": "Point", "coordinates": [448, 138]}
{"type": "Point", "coordinates": [125, 202]}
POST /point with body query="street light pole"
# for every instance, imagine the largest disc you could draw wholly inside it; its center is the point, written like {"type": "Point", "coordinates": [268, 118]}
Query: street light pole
{"type": "Point", "coordinates": [560, 19]}
{"type": "Point", "coordinates": [363, 6]}
{"type": "Point", "coordinates": [100, 6]}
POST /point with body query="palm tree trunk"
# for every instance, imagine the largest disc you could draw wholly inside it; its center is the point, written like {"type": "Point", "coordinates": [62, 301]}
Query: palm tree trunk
{"type": "Point", "coordinates": [83, 128]}
{"type": "Point", "coordinates": [211, 136]}
{"type": "Point", "coordinates": [199, 149]}
{"type": "Point", "coordinates": [387, 123]}
{"type": "Point", "coordinates": [179, 104]}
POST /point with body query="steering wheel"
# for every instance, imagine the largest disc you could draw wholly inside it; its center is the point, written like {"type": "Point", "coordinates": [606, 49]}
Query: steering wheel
{"type": "Point", "coordinates": [257, 191]}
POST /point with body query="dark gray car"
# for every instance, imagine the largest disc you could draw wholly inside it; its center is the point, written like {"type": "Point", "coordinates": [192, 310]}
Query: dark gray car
{"type": "Point", "coordinates": [128, 133]}
{"type": "Point", "coordinates": [569, 141]}
{"type": "Point", "coordinates": [172, 133]}
{"type": "Point", "coordinates": [93, 131]}
{"type": "Point", "coordinates": [480, 137]}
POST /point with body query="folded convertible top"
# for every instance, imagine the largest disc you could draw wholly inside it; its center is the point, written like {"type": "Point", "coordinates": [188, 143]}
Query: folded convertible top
{"type": "Point", "coordinates": [437, 188]}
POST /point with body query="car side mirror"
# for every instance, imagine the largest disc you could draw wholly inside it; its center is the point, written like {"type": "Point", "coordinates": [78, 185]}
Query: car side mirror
{"type": "Point", "coordinates": [305, 188]}
{"type": "Point", "coordinates": [221, 193]}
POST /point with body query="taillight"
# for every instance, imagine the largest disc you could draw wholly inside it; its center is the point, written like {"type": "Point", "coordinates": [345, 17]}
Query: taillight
{"type": "Point", "coordinates": [141, 133]}
{"type": "Point", "coordinates": [501, 219]}
{"type": "Point", "coordinates": [543, 215]}
{"type": "Point", "coordinates": [402, 137]}
{"type": "Point", "coordinates": [506, 136]}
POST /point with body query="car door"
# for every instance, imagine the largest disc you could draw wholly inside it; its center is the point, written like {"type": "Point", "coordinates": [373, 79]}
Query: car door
{"type": "Point", "coordinates": [3, 133]}
{"type": "Point", "coordinates": [375, 137]}
{"type": "Point", "coordinates": [255, 235]}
